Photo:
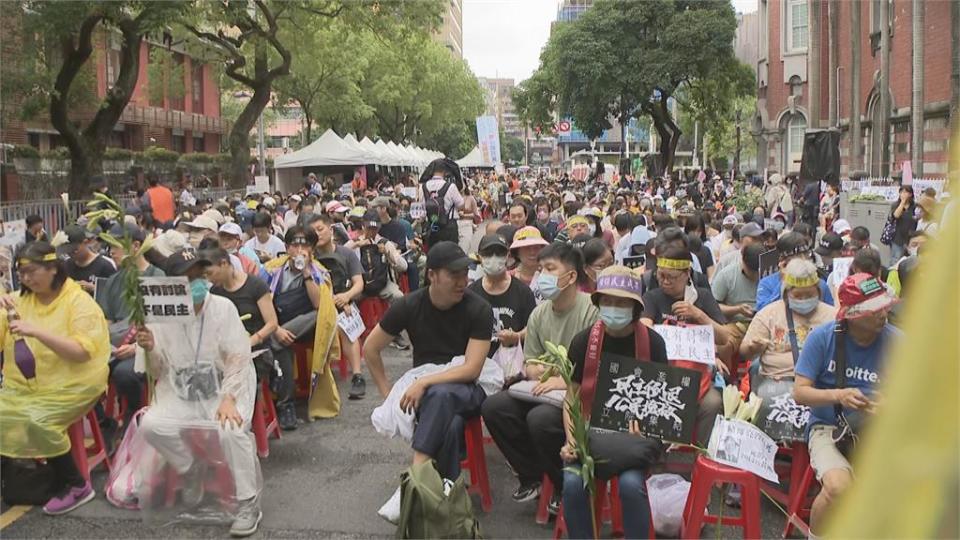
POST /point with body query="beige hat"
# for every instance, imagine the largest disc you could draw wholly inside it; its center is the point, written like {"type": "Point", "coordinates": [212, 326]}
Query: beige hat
{"type": "Point", "coordinates": [204, 222]}
{"type": "Point", "coordinates": [618, 280]}
{"type": "Point", "coordinates": [169, 242]}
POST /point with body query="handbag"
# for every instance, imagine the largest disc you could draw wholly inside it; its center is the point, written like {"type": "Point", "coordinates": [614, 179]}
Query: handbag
{"type": "Point", "coordinates": [889, 230]}
{"type": "Point", "coordinates": [612, 452]}
{"type": "Point", "coordinates": [780, 416]}
{"type": "Point", "coordinates": [523, 390]}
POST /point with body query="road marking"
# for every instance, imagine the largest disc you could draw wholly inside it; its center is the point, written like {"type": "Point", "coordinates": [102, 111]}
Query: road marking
{"type": "Point", "coordinates": [13, 514]}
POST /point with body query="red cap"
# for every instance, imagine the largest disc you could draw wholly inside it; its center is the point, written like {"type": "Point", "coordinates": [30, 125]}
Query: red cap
{"type": "Point", "coordinates": [862, 294]}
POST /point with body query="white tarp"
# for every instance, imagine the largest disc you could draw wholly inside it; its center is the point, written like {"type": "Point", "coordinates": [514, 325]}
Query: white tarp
{"type": "Point", "coordinates": [473, 159]}
{"type": "Point", "coordinates": [402, 158]}
{"type": "Point", "coordinates": [328, 150]}
{"type": "Point", "coordinates": [389, 158]}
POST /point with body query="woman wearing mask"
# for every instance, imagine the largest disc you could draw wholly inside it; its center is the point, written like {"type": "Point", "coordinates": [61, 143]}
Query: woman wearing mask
{"type": "Point", "coordinates": [778, 331]}
{"type": "Point", "coordinates": [204, 377]}
{"type": "Point", "coordinates": [619, 332]}
{"type": "Point", "coordinates": [596, 257]}
{"type": "Point", "coordinates": [56, 345]}
{"type": "Point", "coordinates": [526, 246]}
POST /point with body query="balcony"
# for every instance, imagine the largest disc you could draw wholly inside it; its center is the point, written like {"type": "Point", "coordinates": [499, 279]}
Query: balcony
{"type": "Point", "coordinates": [166, 118]}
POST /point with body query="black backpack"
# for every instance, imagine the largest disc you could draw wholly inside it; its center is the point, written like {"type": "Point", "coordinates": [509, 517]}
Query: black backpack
{"type": "Point", "coordinates": [376, 271]}
{"type": "Point", "coordinates": [337, 266]}
{"type": "Point", "coordinates": [433, 205]}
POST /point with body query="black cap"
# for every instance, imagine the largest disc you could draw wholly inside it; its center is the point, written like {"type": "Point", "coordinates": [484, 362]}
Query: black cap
{"type": "Point", "coordinates": [492, 240]}
{"type": "Point", "coordinates": [792, 244]}
{"type": "Point", "coordinates": [136, 233]}
{"type": "Point", "coordinates": [76, 235]}
{"type": "Point", "coordinates": [371, 218]}
{"type": "Point", "coordinates": [447, 255]}
{"type": "Point", "coordinates": [829, 243]}
{"type": "Point", "coordinates": [182, 261]}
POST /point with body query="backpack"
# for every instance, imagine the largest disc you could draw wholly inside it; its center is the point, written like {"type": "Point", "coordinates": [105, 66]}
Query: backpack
{"type": "Point", "coordinates": [337, 266]}
{"type": "Point", "coordinates": [426, 512]}
{"type": "Point", "coordinates": [376, 271]}
{"type": "Point", "coordinates": [433, 205]}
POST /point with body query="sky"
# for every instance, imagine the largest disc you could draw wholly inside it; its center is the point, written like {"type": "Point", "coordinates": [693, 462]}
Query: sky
{"type": "Point", "coordinates": [503, 38]}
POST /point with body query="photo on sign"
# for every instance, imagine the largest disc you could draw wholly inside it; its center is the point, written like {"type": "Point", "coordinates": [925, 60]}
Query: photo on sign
{"type": "Point", "coordinates": [662, 398]}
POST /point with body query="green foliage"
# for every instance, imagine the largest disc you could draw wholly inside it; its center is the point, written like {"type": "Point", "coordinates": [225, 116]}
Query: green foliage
{"type": "Point", "coordinates": [512, 149]}
{"type": "Point", "coordinates": [745, 196]}
{"type": "Point", "coordinates": [165, 76]}
{"type": "Point", "coordinates": [24, 151]}
{"type": "Point", "coordinates": [160, 155]}
{"type": "Point", "coordinates": [60, 152]}
{"type": "Point", "coordinates": [455, 141]}
{"type": "Point", "coordinates": [118, 154]}
{"type": "Point", "coordinates": [196, 157]}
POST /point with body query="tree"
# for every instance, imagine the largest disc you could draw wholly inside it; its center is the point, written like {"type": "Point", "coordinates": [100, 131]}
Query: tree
{"type": "Point", "coordinates": [629, 59]}
{"type": "Point", "coordinates": [512, 149]}
{"type": "Point", "coordinates": [62, 75]}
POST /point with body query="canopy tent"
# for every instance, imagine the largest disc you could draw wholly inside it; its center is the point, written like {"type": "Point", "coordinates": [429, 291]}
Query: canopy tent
{"type": "Point", "coordinates": [352, 142]}
{"type": "Point", "coordinates": [328, 150]}
{"type": "Point", "coordinates": [376, 155]}
{"type": "Point", "coordinates": [474, 160]}
{"type": "Point", "coordinates": [389, 158]}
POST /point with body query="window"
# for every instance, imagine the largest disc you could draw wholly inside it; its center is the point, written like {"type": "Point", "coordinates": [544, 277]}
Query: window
{"type": "Point", "coordinates": [178, 143]}
{"type": "Point", "coordinates": [196, 83]}
{"type": "Point", "coordinates": [198, 145]}
{"type": "Point", "coordinates": [797, 26]}
{"type": "Point", "coordinates": [112, 58]}
{"type": "Point", "coordinates": [796, 125]}
{"type": "Point", "coordinates": [33, 139]}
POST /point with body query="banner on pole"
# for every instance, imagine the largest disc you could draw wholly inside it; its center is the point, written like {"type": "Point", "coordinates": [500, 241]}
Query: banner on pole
{"type": "Point", "coordinates": [488, 137]}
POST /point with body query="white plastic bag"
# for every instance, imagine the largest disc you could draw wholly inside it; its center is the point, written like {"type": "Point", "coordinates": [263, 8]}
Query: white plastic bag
{"type": "Point", "coordinates": [510, 359]}
{"type": "Point", "coordinates": [668, 495]}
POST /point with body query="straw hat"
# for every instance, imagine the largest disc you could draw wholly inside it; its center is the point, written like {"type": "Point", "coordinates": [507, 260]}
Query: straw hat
{"type": "Point", "coordinates": [620, 281]}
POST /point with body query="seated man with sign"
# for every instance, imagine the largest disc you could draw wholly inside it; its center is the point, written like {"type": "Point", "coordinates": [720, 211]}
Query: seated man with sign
{"type": "Point", "coordinates": [618, 334]}
{"type": "Point", "coordinates": [777, 334]}
{"type": "Point", "coordinates": [678, 301]}
{"type": "Point", "coordinates": [837, 375]}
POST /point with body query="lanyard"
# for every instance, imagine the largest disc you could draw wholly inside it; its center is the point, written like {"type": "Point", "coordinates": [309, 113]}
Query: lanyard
{"type": "Point", "coordinates": [196, 355]}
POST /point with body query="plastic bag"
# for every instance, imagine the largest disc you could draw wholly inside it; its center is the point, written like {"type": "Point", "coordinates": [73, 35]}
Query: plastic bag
{"type": "Point", "coordinates": [194, 470]}
{"type": "Point", "coordinates": [668, 495]}
{"type": "Point", "coordinates": [510, 359]}
{"type": "Point", "coordinates": [126, 478]}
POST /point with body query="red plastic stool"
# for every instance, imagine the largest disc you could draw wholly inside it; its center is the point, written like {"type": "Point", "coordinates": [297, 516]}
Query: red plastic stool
{"type": "Point", "coordinates": [115, 406]}
{"type": "Point", "coordinates": [372, 310]}
{"type": "Point", "coordinates": [264, 421]}
{"type": "Point", "coordinates": [546, 492]}
{"type": "Point", "coordinates": [799, 460]}
{"type": "Point", "coordinates": [707, 473]}
{"type": "Point", "coordinates": [208, 449]}
{"type": "Point", "coordinates": [543, 504]}
{"type": "Point", "coordinates": [798, 511]}
{"type": "Point", "coordinates": [607, 506]}
{"type": "Point", "coordinates": [404, 283]}
{"type": "Point", "coordinates": [87, 457]}
{"type": "Point", "coordinates": [301, 355]}
{"type": "Point", "coordinates": [476, 462]}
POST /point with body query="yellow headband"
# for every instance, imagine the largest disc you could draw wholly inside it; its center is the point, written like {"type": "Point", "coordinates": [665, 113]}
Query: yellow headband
{"type": "Point", "coordinates": [49, 257]}
{"type": "Point", "coordinates": [799, 282]}
{"type": "Point", "coordinates": [678, 264]}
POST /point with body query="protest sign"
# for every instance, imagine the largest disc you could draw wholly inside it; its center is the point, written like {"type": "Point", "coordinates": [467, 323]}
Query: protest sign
{"type": "Point", "coordinates": [418, 210]}
{"type": "Point", "coordinates": [635, 261]}
{"type": "Point", "coordinates": [346, 189]}
{"type": "Point", "coordinates": [920, 184]}
{"type": "Point", "coordinates": [692, 342]}
{"type": "Point", "coordinates": [662, 398]}
{"type": "Point", "coordinates": [409, 192]}
{"type": "Point", "coordinates": [742, 445]}
{"type": "Point", "coordinates": [352, 325]}
{"type": "Point", "coordinates": [13, 232]}
{"type": "Point", "coordinates": [780, 416]}
{"type": "Point", "coordinates": [772, 225]}
{"type": "Point", "coordinates": [167, 299]}
{"type": "Point", "coordinates": [769, 261]}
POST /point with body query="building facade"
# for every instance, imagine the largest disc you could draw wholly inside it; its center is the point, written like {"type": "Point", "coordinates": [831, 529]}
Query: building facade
{"type": "Point", "coordinates": [450, 34]}
{"type": "Point", "coordinates": [188, 123]}
{"type": "Point", "coordinates": [884, 72]}
{"type": "Point", "coordinates": [498, 102]}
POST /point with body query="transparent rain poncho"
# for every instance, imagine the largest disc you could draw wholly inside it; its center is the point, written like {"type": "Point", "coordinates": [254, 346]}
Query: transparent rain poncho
{"type": "Point", "coordinates": [180, 464]}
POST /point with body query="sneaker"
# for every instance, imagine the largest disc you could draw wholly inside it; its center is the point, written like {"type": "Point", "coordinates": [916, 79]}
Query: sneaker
{"type": "Point", "coordinates": [358, 387]}
{"type": "Point", "coordinates": [553, 507]}
{"type": "Point", "coordinates": [287, 417]}
{"type": "Point", "coordinates": [390, 510]}
{"type": "Point", "coordinates": [69, 499]}
{"type": "Point", "coordinates": [403, 346]}
{"type": "Point", "coordinates": [526, 492]}
{"type": "Point", "coordinates": [192, 492]}
{"type": "Point", "coordinates": [248, 518]}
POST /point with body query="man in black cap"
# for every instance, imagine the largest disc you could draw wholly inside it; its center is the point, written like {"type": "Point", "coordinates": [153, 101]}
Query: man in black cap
{"type": "Point", "coordinates": [444, 320]}
{"type": "Point", "coordinates": [380, 259]}
{"type": "Point", "coordinates": [829, 248]}
{"type": "Point", "coordinates": [84, 265]}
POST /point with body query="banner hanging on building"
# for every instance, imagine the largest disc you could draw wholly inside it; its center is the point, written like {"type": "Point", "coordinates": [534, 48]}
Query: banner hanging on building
{"type": "Point", "coordinates": [488, 137]}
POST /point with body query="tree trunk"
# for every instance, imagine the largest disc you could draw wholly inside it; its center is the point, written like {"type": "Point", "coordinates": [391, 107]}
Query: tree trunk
{"type": "Point", "coordinates": [667, 130]}
{"type": "Point", "coordinates": [83, 166]}
{"type": "Point", "coordinates": [240, 135]}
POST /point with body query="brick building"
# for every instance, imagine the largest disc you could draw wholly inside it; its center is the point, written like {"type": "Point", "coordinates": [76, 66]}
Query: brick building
{"type": "Point", "coordinates": [824, 63]}
{"type": "Point", "coordinates": [190, 123]}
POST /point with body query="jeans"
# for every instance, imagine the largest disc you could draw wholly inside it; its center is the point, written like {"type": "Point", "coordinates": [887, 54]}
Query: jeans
{"type": "Point", "coordinates": [633, 501]}
{"type": "Point", "coordinates": [300, 326]}
{"type": "Point", "coordinates": [528, 434]}
{"type": "Point", "coordinates": [897, 252]}
{"type": "Point", "coordinates": [441, 417]}
{"type": "Point", "coordinates": [129, 386]}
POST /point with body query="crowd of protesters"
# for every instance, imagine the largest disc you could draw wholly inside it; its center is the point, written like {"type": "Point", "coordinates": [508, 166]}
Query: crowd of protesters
{"type": "Point", "coordinates": [473, 267]}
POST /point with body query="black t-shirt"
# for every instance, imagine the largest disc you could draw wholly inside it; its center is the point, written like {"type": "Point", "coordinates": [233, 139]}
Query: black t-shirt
{"type": "Point", "coordinates": [511, 310]}
{"type": "Point", "coordinates": [100, 267]}
{"type": "Point", "coordinates": [624, 346]}
{"type": "Point", "coordinates": [705, 257]}
{"type": "Point", "coordinates": [394, 232]}
{"type": "Point", "coordinates": [905, 224]}
{"type": "Point", "coordinates": [657, 306]}
{"type": "Point", "coordinates": [438, 336]}
{"type": "Point", "coordinates": [245, 298]}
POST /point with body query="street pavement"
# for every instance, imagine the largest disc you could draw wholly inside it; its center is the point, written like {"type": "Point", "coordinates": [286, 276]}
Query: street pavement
{"type": "Point", "coordinates": [325, 480]}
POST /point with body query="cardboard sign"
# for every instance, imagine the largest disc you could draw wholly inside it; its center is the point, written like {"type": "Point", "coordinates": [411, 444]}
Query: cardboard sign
{"type": "Point", "coordinates": [742, 445]}
{"type": "Point", "coordinates": [692, 342]}
{"type": "Point", "coordinates": [167, 299]}
{"type": "Point", "coordinates": [418, 210]}
{"type": "Point", "coordinates": [635, 261]}
{"type": "Point", "coordinates": [262, 183]}
{"type": "Point", "coordinates": [352, 325]}
{"type": "Point", "coordinates": [346, 189]}
{"type": "Point", "coordinates": [409, 192]}
{"type": "Point", "coordinates": [780, 416]}
{"type": "Point", "coordinates": [663, 399]}
{"type": "Point", "coordinates": [769, 261]}
{"type": "Point", "coordinates": [13, 232]}
{"type": "Point", "coordinates": [772, 225]}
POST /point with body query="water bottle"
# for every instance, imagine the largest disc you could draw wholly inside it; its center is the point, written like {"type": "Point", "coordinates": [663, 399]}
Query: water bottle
{"type": "Point", "coordinates": [300, 262]}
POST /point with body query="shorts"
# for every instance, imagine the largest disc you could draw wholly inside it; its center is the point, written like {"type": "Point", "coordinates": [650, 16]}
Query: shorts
{"type": "Point", "coordinates": [824, 455]}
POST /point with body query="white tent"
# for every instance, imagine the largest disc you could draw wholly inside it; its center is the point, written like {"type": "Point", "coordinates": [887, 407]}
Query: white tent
{"type": "Point", "coordinates": [473, 159]}
{"type": "Point", "coordinates": [352, 142]}
{"type": "Point", "coordinates": [394, 151]}
{"type": "Point", "coordinates": [389, 158]}
{"type": "Point", "coordinates": [376, 155]}
{"type": "Point", "coordinates": [328, 150]}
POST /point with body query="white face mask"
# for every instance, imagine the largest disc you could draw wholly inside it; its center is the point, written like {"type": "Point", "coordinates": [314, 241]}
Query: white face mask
{"type": "Point", "coordinates": [912, 251]}
{"type": "Point", "coordinates": [494, 265]}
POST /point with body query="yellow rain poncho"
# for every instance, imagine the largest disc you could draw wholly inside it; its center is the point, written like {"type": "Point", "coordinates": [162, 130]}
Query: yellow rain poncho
{"type": "Point", "coordinates": [35, 413]}
{"type": "Point", "coordinates": [324, 396]}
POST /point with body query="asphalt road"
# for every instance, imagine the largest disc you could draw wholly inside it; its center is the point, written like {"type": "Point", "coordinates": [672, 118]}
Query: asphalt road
{"type": "Point", "coordinates": [327, 479]}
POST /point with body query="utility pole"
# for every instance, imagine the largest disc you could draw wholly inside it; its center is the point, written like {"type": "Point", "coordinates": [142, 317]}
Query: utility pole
{"type": "Point", "coordinates": [884, 101]}
{"type": "Point", "coordinates": [916, 104]}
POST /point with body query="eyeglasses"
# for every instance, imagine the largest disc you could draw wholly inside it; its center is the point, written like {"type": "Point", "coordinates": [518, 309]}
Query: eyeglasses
{"type": "Point", "coordinates": [670, 277]}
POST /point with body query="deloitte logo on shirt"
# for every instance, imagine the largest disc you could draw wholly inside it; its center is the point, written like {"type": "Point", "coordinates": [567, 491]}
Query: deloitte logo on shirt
{"type": "Point", "coordinates": [859, 373]}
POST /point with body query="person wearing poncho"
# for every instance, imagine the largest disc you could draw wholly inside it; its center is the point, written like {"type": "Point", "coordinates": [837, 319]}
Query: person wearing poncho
{"type": "Point", "coordinates": [55, 369]}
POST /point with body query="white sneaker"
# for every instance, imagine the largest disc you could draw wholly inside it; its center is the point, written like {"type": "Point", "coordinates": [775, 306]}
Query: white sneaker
{"type": "Point", "coordinates": [390, 510]}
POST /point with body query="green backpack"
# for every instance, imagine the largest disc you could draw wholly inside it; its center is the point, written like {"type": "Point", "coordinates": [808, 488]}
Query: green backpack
{"type": "Point", "coordinates": [425, 512]}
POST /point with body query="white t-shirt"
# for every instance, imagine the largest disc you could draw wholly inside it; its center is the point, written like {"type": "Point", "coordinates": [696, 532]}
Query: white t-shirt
{"type": "Point", "coordinates": [452, 199]}
{"type": "Point", "coordinates": [273, 245]}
